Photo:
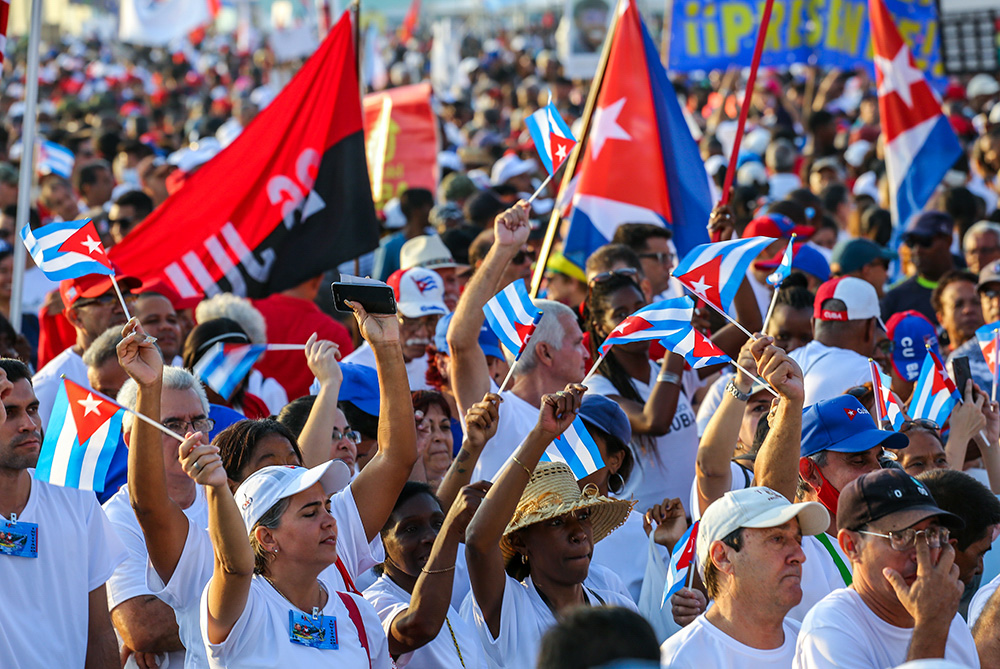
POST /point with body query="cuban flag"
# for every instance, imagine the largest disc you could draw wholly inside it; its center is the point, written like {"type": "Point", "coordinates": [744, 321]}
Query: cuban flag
{"type": "Point", "coordinates": [714, 272]}
{"type": "Point", "coordinates": [920, 145]}
{"type": "Point", "coordinates": [67, 249]}
{"type": "Point", "coordinates": [651, 322]}
{"type": "Point", "coordinates": [513, 316]}
{"type": "Point", "coordinates": [80, 439]}
{"type": "Point", "coordinates": [680, 563]}
{"type": "Point", "coordinates": [55, 159]}
{"type": "Point", "coordinates": [888, 406]}
{"type": "Point", "coordinates": [934, 395]}
{"type": "Point", "coordinates": [553, 138]}
{"type": "Point", "coordinates": [640, 163]}
{"type": "Point", "coordinates": [776, 277]}
{"type": "Point", "coordinates": [988, 337]}
{"type": "Point", "coordinates": [577, 449]}
{"type": "Point", "coordinates": [225, 366]}
{"type": "Point", "coordinates": [697, 349]}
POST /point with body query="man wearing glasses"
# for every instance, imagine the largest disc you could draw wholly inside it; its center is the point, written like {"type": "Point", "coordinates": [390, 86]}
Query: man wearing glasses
{"type": "Point", "coordinates": [91, 306]}
{"type": "Point", "coordinates": [656, 253]}
{"type": "Point", "coordinates": [903, 603]}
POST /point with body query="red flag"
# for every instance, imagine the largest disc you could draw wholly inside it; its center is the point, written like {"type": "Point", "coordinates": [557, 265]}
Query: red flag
{"type": "Point", "coordinates": [286, 201]}
{"type": "Point", "coordinates": [4, 11]}
{"type": "Point", "coordinates": [410, 21]}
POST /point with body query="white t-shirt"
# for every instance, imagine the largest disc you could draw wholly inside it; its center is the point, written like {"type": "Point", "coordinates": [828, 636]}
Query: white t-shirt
{"type": "Point", "coordinates": [269, 390]}
{"type": "Point", "coordinates": [46, 381]}
{"type": "Point", "coordinates": [442, 652]}
{"type": "Point", "coordinates": [194, 569]}
{"type": "Point", "coordinates": [416, 369]}
{"type": "Point", "coordinates": [980, 599]}
{"type": "Point", "coordinates": [515, 420]}
{"type": "Point", "coordinates": [829, 371]}
{"type": "Point", "coordinates": [667, 470]}
{"type": "Point", "coordinates": [625, 552]}
{"type": "Point", "coordinates": [820, 574]}
{"type": "Point", "coordinates": [524, 618]}
{"type": "Point", "coordinates": [43, 622]}
{"type": "Point", "coordinates": [701, 644]}
{"type": "Point", "coordinates": [842, 632]}
{"type": "Point", "coordinates": [260, 636]}
{"type": "Point", "coordinates": [129, 579]}
{"type": "Point", "coordinates": [36, 287]}
{"type": "Point", "coordinates": [740, 478]}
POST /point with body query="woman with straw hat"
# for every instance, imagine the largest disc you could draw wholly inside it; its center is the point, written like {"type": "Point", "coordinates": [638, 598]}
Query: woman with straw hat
{"type": "Point", "coordinates": [530, 543]}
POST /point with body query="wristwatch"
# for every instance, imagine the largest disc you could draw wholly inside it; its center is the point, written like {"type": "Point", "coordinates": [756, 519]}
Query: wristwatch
{"type": "Point", "coordinates": [736, 392]}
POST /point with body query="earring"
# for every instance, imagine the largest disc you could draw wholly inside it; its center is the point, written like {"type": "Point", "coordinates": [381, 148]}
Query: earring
{"type": "Point", "coordinates": [524, 559]}
{"type": "Point", "coordinates": [275, 549]}
{"type": "Point", "coordinates": [616, 483]}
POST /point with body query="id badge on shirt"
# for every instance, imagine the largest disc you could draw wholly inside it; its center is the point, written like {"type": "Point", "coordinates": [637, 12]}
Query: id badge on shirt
{"type": "Point", "coordinates": [18, 538]}
{"type": "Point", "coordinates": [317, 631]}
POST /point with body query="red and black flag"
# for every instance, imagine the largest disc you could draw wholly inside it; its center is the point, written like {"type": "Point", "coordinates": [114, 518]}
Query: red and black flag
{"type": "Point", "coordinates": [286, 201]}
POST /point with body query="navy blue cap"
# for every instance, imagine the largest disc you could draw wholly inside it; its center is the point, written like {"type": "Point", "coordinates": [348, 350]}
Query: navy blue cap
{"type": "Point", "coordinates": [360, 387]}
{"type": "Point", "coordinates": [605, 414]}
{"type": "Point", "coordinates": [928, 224]}
{"type": "Point", "coordinates": [843, 424]}
{"type": "Point", "coordinates": [488, 341]}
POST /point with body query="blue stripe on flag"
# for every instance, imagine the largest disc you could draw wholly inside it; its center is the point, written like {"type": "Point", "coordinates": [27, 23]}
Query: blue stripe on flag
{"type": "Point", "coordinates": [930, 163]}
{"type": "Point", "coordinates": [43, 470]}
{"type": "Point", "coordinates": [107, 452]}
{"type": "Point", "coordinates": [576, 447]}
{"type": "Point", "coordinates": [540, 138]}
{"type": "Point", "coordinates": [675, 577]}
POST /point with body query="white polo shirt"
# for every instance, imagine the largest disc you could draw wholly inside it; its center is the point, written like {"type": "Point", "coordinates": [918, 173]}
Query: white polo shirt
{"type": "Point", "coordinates": [701, 645]}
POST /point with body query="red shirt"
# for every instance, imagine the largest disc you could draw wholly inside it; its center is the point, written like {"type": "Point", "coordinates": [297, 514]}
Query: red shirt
{"type": "Point", "coordinates": [55, 335]}
{"type": "Point", "coordinates": [291, 320]}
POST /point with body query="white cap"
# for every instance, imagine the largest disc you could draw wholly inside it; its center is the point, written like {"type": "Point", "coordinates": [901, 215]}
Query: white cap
{"type": "Point", "coordinates": [982, 84]}
{"type": "Point", "coordinates": [751, 173]}
{"type": "Point", "coordinates": [856, 152]}
{"type": "Point", "coordinates": [713, 163]}
{"type": "Point", "coordinates": [508, 167]}
{"type": "Point", "coordinates": [419, 292]}
{"type": "Point", "coordinates": [268, 486]}
{"type": "Point", "coordinates": [425, 251]}
{"type": "Point", "coordinates": [858, 296]}
{"type": "Point", "coordinates": [394, 216]}
{"type": "Point", "coordinates": [755, 507]}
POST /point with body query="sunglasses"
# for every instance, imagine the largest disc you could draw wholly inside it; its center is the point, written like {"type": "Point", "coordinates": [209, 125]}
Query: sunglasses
{"type": "Point", "coordinates": [523, 256]}
{"type": "Point", "coordinates": [919, 423]}
{"type": "Point", "coordinates": [664, 258]}
{"type": "Point", "coordinates": [624, 273]}
{"type": "Point", "coordinates": [922, 242]}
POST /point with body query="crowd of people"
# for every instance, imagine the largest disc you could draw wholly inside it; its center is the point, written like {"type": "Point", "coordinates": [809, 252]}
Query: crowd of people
{"type": "Point", "coordinates": [379, 500]}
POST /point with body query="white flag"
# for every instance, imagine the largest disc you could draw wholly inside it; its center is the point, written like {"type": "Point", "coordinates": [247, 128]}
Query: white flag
{"type": "Point", "coordinates": [157, 22]}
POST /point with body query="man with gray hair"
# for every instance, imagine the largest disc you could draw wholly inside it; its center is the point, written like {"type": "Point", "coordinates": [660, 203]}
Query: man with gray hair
{"type": "Point", "coordinates": [101, 358]}
{"type": "Point", "coordinates": [981, 245]}
{"type": "Point", "coordinates": [780, 160]}
{"type": "Point", "coordinates": [553, 358]}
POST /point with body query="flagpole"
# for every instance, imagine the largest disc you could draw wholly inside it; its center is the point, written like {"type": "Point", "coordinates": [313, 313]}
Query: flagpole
{"type": "Point", "coordinates": [765, 18]}
{"type": "Point", "coordinates": [996, 368]}
{"type": "Point", "coordinates": [506, 380]}
{"type": "Point", "coordinates": [574, 156]}
{"type": "Point", "coordinates": [121, 298]}
{"type": "Point", "coordinates": [877, 389]}
{"type": "Point", "coordinates": [758, 379]}
{"type": "Point", "coordinates": [286, 347]}
{"type": "Point", "coordinates": [26, 176]}
{"type": "Point", "coordinates": [539, 190]}
{"type": "Point", "coordinates": [593, 369]}
{"type": "Point", "coordinates": [770, 308]}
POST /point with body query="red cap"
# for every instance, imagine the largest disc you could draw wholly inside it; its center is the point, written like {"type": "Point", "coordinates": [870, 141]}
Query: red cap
{"type": "Point", "coordinates": [92, 285]}
{"type": "Point", "coordinates": [777, 226]}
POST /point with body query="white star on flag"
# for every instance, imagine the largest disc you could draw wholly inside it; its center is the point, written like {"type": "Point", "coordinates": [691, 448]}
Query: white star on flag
{"type": "Point", "coordinates": [90, 405]}
{"type": "Point", "coordinates": [92, 244]}
{"type": "Point", "coordinates": [700, 286]}
{"type": "Point", "coordinates": [898, 75]}
{"type": "Point", "coordinates": [561, 152]}
{"type": "Point", "coordinates": [606, 127]}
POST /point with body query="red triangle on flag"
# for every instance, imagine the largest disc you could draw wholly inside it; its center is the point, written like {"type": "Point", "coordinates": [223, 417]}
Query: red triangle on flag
{"type": "Point", "coordinates": [630, 325]}
{"type": "Point", "coordinates": [704, 347]}
{"type": "Point", "coordinates": [86, 241]}
{"type": "Point", "coordinates": [703, 280]}
{"type": "Point", "coordinates": [561, 146]}
{"type": "Point", "coordinates": [938, 383]}
{"type": "Point", "coordinates": [988, 354]}
{"type": "Point", "coordinates": [524, 331]}
{"type": "Point", "coordinates": [89, 411]}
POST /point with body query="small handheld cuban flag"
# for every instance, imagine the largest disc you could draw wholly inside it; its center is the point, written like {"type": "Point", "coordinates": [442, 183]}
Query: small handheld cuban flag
{"type": "Point", "coordinates": [553, 138]}
{"type": "Point", "coordinates": [224, 366]}
{"type": "Point", "coordinates": [681, 561]}
{"type": "Point", "coordinates": [988, 337]}
{"type": "Point", "coordinates": [654, 321]}
{"type": "Point", "coordinates": [697, 349]}
{"type": "Point", "coordinates": [888, 406]}
{"type": "Point", "coordinates": [513, 316]}
{"type": "Point", "coordinates": [80, 439]}
{"type": "Point", "coordinates": [577, 449]}
{"type": "Point", "coordinates": [714, 272]}
{"type": "Point", "coordinates": [934, 395]}
{"type": "Point", "coordinates": [776, 277]}
{"type": "Point", "coordinates": [55, 159]}
{"type": "Point", "coordinates": [67, 249]}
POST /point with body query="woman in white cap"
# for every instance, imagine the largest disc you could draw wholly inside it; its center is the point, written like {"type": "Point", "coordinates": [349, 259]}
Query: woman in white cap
{"type": "Point", "coordinates": [266, 605]}
{"type": "Point", "coordinates": [529, 546]}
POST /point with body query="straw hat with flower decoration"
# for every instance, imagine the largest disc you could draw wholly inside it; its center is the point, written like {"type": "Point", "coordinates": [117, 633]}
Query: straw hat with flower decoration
{"type": "Point", "coordinates": [551, 492]}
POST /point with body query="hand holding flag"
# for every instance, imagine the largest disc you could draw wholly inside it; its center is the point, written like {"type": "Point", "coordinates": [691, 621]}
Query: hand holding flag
{"type": "Point", "coordinates": [681, 561]}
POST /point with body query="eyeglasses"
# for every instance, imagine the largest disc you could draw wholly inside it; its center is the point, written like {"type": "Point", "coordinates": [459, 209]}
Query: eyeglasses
{"type": "Point", "coordinates": [991, 293]}
{"type": "Point", "coordinates": [351, 435]}
{"type": "Point", "coordinates": [885, 347]}
{"type": "Point", "coordinates": [922, 242]}
{"type": "Point", "coordinates": [523, 256]}
{"type": "Point", "coordinates": [903, 540]}
{"type": "Point", "coordinates": [919, 423]}
{"type": "Point", "coordinates": [203, 425]}
{"type": "Point", "coordinates": [662, 257]}
{"type": "Point", "coordinates": [105, 300]}
{"type": "Point", "coordinates": [123, 222]}
{"type": "Point", "coordinates": [624, 272]}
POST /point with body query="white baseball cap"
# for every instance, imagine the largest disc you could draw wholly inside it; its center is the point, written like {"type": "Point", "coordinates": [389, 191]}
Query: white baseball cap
{"type": "Point", "coordinates": [857, 295]}
{"type": "Point", "coordinates": [268, 486]}
{"type": "Point", "coordinates": [508, 167]}
{"type": "Point", "coordinates": [755, 507]}
{"type": "Point", "coordinates": [419, 292]}
{"type": "Point", "coordinates": [426, 251]}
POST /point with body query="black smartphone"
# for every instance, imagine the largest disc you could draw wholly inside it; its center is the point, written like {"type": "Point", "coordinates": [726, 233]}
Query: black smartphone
{"type": "Point", "coordinates": [960, 366]}
{"type": "Point", "coordinates": [376, 299]}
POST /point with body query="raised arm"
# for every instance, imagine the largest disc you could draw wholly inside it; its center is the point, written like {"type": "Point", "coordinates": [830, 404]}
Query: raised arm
{"type": "Point", "coordinates": [986, 632]}
{"type": "Point", "coordinates": [713, 473]}
{"type": "Point", "coordinates": [234, 559]}
{"type": "Point", "coordinates": [470, 376]}
{"type": "Point", "coordinates": [164, 525]}
{"type": "Point", "coordinates": [482, 538]}
{"type": "Point", "coordinates": [991, 453]}
{"type": "Point", "coordinates": [480, 426]}
{"type": "Point", "coordinates": [419, 624]}
{"type": "Point", "coordinates": [655, 415]}
{"type": "Point", "coordinates": [314, 441]}
{"type": "Point", "coordinates": [378, 485]}
{"type": "Point", "coordinates": [777, 463]}
{"type": "Point", "coordinates": [966, 422]}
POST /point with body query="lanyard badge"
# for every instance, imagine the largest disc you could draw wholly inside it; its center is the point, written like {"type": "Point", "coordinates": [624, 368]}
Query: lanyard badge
{"type": "Point", "coordinates": [18, 538]}
{"type": "Point", "coordinates": [315, 631]}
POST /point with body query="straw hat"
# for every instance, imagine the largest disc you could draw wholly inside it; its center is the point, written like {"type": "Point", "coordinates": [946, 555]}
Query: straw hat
{"type": "Point", "coordinates": [552, 491]}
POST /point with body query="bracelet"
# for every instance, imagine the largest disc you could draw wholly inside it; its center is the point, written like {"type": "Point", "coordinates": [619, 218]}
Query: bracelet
{"type": "Point", "coordinates": [523, 466]}
{"type": "Point", "coordinates": [437, 571]}
{"type": "Point", "coordinates": [736, 392]}
{"type": "Point", "coordinates": [669, 377]}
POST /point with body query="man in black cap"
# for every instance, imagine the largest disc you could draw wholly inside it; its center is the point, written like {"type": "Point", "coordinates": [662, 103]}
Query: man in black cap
{"type": "Point", "coordinates": [903, 602]}
{"type": "Point", "coordinates": [928, 237]}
